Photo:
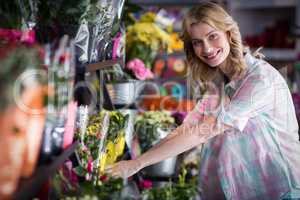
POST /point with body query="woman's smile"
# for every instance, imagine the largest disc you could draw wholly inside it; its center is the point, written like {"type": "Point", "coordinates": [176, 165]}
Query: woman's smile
{"type": "Point", "coordinates": [212, 56]}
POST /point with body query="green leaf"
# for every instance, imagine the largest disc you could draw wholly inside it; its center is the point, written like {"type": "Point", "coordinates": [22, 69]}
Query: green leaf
{"type": "Point", "coordinates": [80, 171]}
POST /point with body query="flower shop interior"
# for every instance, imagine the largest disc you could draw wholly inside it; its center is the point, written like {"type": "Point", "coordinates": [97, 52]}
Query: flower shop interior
{"type": "Point", "coordinates": [85, 84]}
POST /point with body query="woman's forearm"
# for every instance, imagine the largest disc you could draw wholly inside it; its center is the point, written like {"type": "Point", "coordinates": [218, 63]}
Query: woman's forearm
{"type": "Point", "coordinates": [168, 137]}
{"type": "Point", "coordinates": [185, 138]}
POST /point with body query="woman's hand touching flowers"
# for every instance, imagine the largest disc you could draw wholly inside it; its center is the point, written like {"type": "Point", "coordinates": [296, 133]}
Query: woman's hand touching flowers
{"type": "Point", "coordinates": [124, 169]}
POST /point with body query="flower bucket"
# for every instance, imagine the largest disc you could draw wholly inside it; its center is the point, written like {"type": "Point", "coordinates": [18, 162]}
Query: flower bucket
{"type": "Point", "coordinates": [164, 168]}
{"type": "Point", "coordinates": [125, 93]}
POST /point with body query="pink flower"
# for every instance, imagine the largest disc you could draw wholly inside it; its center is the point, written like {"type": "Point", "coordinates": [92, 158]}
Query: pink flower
{"type": "Point", "coordinates": [145, 184]}
{"type": "Point", "coordinates": [13, 35]}
{"type": "Point", "coordinates": [88, 177]}
{"type": "Point", "coordinates": [139, 69]}
{"type": "Point", "coordinates": [90, 165]}
{"type": "Point", "coordinates": [28, 37]}
{"type": "Point", "coordinates": [74, 177]}
{"type": "Point", "coordinates": [69, 165]}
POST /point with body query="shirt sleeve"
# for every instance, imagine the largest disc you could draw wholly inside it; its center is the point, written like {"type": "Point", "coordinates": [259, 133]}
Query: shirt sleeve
{"type": "Point", "coordinates": [207, 106]}
{"type": "Point", "coordinates": [196, 115]}
{"type": "Point", "coordinates": [254, 97]}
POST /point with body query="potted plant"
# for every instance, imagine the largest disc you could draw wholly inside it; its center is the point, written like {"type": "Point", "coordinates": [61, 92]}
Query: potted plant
{"type": "Point", "coordinates": [151, 127]}
{"type": "Point", "coordinates": [182, 190]}
{"type": "Point", "coordinates": [144, 40]}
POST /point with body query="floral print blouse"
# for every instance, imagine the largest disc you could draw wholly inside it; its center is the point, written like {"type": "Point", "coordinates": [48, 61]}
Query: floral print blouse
{"type": "Point", "coordinates": [259, 157]}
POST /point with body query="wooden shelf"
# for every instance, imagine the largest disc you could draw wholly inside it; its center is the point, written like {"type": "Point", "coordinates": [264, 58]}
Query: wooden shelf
{"type": "Point", "coordinates": [103, 65]}
{"type": "Point", "coordinates": [29, 187]}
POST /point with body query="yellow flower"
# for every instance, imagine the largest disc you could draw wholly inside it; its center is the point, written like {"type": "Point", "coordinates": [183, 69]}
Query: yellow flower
{"type": "Point", "coordinates": [148, 17]}
{"type": "Point", "coordinates": [177, 43]}
{"type": "Point", "coordinates": [111, 153]}
{"type": "Point", "coordinates": [102, 162]}
{"type": "Point", "coordinates": [120, 144]}
{"type": "Point", "coordinates": [148, 33]}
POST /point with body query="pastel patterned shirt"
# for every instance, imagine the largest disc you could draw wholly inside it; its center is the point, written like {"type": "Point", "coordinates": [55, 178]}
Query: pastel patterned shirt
{"type": "Point", "coordinates": [259, 157]}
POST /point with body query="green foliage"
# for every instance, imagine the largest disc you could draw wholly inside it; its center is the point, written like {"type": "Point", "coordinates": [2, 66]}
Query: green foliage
{"type": "Point", "coordinates": [106, 190]}
{"type": "Point", "coordinates": [117, 123]}
{"type": "Point", "coordinates": [147, 125]}
{"type": "Point", "coordinates": [183, 190]}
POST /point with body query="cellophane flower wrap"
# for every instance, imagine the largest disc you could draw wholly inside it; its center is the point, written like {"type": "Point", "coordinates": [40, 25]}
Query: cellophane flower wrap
{"type": "Point", "coordinates": [101, 143]}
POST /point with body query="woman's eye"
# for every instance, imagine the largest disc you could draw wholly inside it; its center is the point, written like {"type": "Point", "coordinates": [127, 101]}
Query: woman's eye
{"type": "Point", "coordinates": [196, 43]}
{"type": "Point", "coordinates": [213, 36]}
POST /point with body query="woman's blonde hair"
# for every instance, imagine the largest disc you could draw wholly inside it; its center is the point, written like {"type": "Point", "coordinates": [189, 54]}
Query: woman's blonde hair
{"type": "Point", "coordinates": [215, 16]}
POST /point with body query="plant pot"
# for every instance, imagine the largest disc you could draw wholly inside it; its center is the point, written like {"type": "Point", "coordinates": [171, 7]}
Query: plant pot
{"type": "Point", "coordinates": [164, 168]}
{"type": "Point", "coordinates": [125, 93]}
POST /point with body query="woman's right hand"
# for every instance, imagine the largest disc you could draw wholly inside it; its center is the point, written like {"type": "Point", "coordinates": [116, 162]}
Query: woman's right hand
{"type": "Point", "coordinates": [124, 169]}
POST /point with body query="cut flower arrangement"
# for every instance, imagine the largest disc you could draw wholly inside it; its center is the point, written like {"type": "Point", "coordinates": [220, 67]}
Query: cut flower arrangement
{"type": "Point", "coordinates": [144, 40]}
{"type": "Point", "coordinates": [101, 143]}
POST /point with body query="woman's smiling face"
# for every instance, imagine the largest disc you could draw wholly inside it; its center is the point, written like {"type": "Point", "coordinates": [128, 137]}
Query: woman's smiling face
{"type": "Point", "coordinates": [209, 44]}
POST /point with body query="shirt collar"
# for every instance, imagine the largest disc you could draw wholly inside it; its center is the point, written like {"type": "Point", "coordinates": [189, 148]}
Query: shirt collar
{"type": "Point", "coordinates": [250, 64]}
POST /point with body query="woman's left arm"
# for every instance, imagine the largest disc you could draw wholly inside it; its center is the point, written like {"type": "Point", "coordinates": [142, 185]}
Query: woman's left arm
{"type": "Point", "coordinates": [187, 137]}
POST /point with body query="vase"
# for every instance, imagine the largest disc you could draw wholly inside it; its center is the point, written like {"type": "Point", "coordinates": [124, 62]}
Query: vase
{"type": "Point", "coordinates": [125, 93]}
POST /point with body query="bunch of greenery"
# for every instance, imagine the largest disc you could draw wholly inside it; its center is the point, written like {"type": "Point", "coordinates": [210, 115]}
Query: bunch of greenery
{"type": "Point", "coordinates": [106, 189]}
{"type": "Point", "coordinates": [147, 125]}
{"type": "Point", "coordinates": [183, 190]}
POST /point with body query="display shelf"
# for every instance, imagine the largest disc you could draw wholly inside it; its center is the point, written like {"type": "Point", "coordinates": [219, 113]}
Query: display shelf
{"type": "Point", "coordinates": [29, 187]}
{"type": "Point", "coordinates": [262, 4]}
{"type": "Point", "coordinates": [165, 2]}
{"type": "Point", "coordinates": [103, 65]}
{"type": "Point", "coordinates": [279, 54]}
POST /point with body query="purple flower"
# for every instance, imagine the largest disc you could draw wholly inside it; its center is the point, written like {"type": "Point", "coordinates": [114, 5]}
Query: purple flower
{"type": "Point", "coordinates": [179, 117]}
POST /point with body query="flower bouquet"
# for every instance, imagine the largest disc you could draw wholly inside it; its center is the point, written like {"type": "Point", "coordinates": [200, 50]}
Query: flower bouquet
{"type": "Point", "coordinates": [145, 39]}
{"type": "Point", "coordinates": [101, 143]}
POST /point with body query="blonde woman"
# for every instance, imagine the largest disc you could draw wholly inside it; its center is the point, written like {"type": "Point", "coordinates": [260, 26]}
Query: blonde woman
{"type": "Point", "coordinates": [250, 140]}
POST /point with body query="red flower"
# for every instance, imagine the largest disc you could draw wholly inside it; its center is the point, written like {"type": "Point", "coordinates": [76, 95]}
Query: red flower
{"type": "Point", "coordinates": [103, 178]}
{"type": "Point", "coordinates": [145, 184]}
{"type": "Point", "coordinates": [64, 57]}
